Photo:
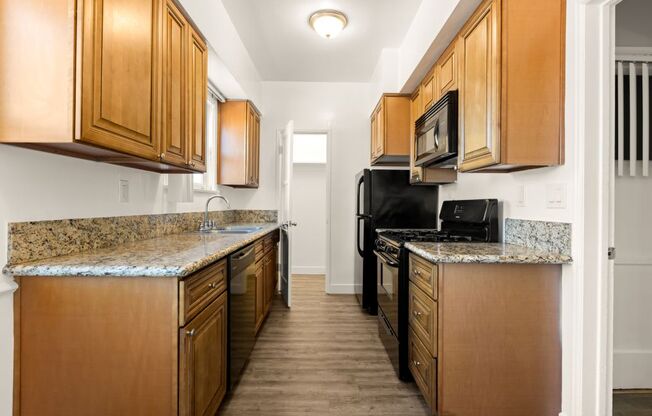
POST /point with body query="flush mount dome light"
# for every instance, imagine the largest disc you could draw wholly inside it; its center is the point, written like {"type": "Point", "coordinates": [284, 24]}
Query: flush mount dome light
{"type": "Point", "coordinates": [328, 23]}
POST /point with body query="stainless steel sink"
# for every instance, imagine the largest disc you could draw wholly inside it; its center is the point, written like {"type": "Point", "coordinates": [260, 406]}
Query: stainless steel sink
{"type": "Point", "coordinates": [236, 229]}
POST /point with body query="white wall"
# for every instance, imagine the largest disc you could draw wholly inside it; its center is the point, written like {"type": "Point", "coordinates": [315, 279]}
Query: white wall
{"type": "Point", "coordinates": [309, 212]}
{"type": "Point", "coordinates": [633, 28]}
{"type": "Point", "coordinates": [340, 107]}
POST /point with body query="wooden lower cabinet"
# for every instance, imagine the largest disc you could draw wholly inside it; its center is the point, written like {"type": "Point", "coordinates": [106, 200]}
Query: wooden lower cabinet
{"type": "Point", "coordinates": [203, 362]}
{"type": "Point", "coordinates": [260, 294]}
{"type": "Point", "coordinates": [493, 344]}
{"type": "Point", "coordinates": [266, 279]}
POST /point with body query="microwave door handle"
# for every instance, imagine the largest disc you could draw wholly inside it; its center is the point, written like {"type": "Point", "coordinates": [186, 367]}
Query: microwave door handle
{"type": "Point", "coordinates": [436, 132]}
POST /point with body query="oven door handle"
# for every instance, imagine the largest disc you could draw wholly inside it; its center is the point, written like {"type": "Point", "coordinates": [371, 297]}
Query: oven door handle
{"type": "Point", "coordinates": [386, 259]}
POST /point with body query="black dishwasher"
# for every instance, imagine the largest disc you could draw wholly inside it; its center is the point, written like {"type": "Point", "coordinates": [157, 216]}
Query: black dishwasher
{"type": "Point", "coordinates": [242, 310]}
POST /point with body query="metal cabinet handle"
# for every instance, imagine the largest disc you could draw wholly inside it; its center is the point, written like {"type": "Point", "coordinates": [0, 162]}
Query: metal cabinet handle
{"type": "Point", "coordinates": [416, 313]}
{"type": "Point", "coordinates": [162, 156]}
{"type": "Point", "coordinates": [212, 285]}
{"type": "Point", "coordinates": [416, 272]}
{"type": "Point", "coordinates": [191, 333]}
{"type": "Point", "coordinates": [416, 363]}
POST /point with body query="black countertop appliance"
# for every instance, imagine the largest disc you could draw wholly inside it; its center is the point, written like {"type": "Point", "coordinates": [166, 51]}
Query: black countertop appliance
{"type": "Point", "coordinates": [385, 199]}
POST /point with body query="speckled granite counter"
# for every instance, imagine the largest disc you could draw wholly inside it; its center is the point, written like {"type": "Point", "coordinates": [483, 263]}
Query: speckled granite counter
{"type": "Point", "coordinates": [485, 253]}
{"type": "Point", "coordinates": [175, 255]}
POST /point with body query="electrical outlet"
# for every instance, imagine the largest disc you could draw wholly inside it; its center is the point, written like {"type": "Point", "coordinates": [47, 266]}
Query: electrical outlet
{"type": "Point", "coordinates": [556, 195]}
{"type": "Point", "coordinates": [123, 193]}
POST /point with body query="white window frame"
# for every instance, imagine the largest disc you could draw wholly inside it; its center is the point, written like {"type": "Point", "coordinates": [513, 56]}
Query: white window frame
{"type": "Point", "coordinates": [209, 183]}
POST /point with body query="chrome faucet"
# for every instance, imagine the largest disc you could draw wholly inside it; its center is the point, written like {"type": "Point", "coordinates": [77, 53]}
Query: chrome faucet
{"type": "Point", "coordinates": [207, 225]}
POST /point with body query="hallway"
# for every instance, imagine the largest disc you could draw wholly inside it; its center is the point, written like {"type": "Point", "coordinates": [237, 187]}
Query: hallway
{"type": "Point", "coordinates": [322, 357]}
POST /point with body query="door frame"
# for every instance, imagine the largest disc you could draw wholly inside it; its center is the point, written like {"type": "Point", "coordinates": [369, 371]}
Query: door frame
{"type": "Point", "coordinates": [329, 173]}
{"type": "Point", "coordinates": [592, 368]}
{"type": "Point", "coordinates": [328, 133]}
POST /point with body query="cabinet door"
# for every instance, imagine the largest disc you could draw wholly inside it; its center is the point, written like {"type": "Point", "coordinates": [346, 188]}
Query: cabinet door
{"type": "Point", "coordinates": [198, 80]}
{"type": "Point", "coordinates": [253, 146]}
{"type": "Point", "coordinates": [447, 69]}
{"type": "Point", "coordinates": [256, 144]}
{"type": "Point", "coordinates": [374, 135]}
{"type": "Point", "coordinates": [174, 143]}
{"type": "Point", "coordinates": [428, 90]}
{"type": "Point", "coordinates": [270, 278]}
{"type": "Point", "coordinates": [380, 129]}
{"type": "Point", "coordinates": [479, 87]}
{"type": "Point", "coordinates": [202, 361]}
{"type": "Point", "coordinates": [260, 295]}
{"type": "Point", "coordinates": [119, 75]}
{"type": "Point", "coordinates": [415, 113]}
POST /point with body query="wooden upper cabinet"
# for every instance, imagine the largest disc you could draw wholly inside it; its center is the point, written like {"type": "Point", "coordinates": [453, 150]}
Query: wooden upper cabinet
{"type": "Point", "coordinates": [119, 76]}
{"type": "Point", "coordinates": [174, 146]}
{"type": "Point", "coordinates": [480, 89]}
{"type": "Point", "coordinates": [446, 70]}
{"type": "Point", "coordinates": [239, 144]}
{"type": "Point", "coordinates": [116, 80]}
{"type": "Point", "coordinates": [511, 81]}
{"type": "Point", "coordinates": [390, 130]}
{"type": "Point", "coordinates": [198, 83]}
{"type": "Point", "coordinates": [253, 147]}
{"type": "Point", "coordinates": [203, 361]}
{"type": "Point", "coordinates": [428, 90]}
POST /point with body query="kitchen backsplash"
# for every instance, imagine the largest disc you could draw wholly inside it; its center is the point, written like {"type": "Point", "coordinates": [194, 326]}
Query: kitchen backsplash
{"type": "Point", "coordinates": [28, 241]}
{"type": "Point", "coordinates": [548, 236]}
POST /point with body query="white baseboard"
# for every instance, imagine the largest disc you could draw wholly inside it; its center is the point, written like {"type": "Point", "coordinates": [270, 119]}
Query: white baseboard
{"type": "Point", "coordinates": [308, 270]}
{"type": "Point", "coordinates": [632, 369]}
{"type": "Point", "coordinates": [341, 289]}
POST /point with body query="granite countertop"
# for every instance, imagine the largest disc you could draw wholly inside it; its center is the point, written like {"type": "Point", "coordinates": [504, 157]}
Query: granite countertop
{"type": "Point", "coordinates": [175, 255]}
{"type": "Point", "coordinates": [485, 253]}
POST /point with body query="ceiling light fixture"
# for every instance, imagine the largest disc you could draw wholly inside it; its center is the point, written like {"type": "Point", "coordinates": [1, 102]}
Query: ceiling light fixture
{"type": "Point", "coordinates": [328, 23]}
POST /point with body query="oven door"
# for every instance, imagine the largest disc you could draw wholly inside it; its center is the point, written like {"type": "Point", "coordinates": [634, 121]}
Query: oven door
{"type": "Point", "coordinates": [387, 288]}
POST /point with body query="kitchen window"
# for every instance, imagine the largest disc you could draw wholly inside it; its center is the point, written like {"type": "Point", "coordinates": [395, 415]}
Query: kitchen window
{"type": "Point", "coordinates": [207, 182]}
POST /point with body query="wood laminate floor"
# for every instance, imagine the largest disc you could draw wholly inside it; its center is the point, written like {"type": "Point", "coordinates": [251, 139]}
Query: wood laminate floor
{"type": "Point", "coordinates": [634, 403]}
{"type": "Point", "coordinates": [322, 357]}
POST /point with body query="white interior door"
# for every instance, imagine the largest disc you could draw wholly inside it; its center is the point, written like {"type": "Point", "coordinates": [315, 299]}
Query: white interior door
{"type": "Point", "coordinates": [285, 209]}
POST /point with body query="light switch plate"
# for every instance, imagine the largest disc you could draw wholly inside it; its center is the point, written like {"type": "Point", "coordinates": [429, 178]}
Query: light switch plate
{"type": "Point", "coordinates": [521, 196]}
{"type": "Point", "coordinates": [124, 191]}
{"type": "Point", "coordinates": [556, 195]}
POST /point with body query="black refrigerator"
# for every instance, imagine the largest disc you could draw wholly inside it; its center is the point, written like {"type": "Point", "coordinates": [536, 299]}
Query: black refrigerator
{"type": "Point", "coordinates": [385, 199]}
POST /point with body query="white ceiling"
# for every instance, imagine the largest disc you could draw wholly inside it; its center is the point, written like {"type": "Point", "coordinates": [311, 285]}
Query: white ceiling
{"type": "Point", "coordinates": [285, 48]}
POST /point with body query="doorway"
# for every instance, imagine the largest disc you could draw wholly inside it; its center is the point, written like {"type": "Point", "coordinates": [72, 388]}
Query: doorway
{"type": "Point", "coordinates": [310, 184]}
{"type": "Point", "coordinates": [632, 196]}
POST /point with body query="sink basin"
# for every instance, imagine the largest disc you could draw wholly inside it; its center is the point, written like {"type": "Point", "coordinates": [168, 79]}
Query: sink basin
{"type": "Point", "coordinates": [236, 229]}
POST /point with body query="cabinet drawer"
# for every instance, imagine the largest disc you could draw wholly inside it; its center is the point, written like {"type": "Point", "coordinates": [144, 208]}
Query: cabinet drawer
{"type": "Point", "coordinates": [424, 275]}
{"type": "Point", "coordinates": [423, 318]}
{"type": "Point", "coordinates": [423, 368]}
{"type": "Point", "coordinates": [199, 290]}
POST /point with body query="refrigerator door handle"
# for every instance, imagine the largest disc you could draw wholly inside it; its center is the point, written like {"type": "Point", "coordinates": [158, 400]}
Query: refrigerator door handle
{"type": "Point", "coordinates": [357, 235]}
{"type": "Point", "coordinates": [357, 201]}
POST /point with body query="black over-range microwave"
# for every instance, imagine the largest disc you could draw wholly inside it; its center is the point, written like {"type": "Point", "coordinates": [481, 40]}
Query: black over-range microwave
{"type": "Point", "coordinates": [435, 139]}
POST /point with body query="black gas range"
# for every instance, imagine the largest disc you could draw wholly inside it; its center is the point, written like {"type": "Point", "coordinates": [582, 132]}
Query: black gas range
{"type": "Point", "coordinates": [461, 221]}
